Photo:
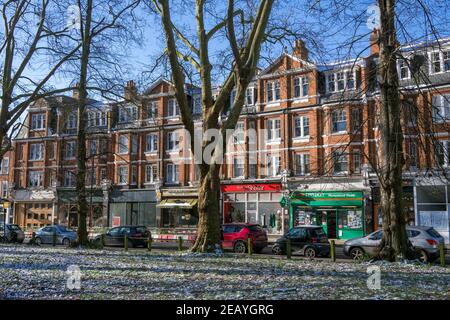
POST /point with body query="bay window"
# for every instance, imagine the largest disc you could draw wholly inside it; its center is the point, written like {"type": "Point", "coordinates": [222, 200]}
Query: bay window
{"type": "Point", "coordinates": [36, 151]}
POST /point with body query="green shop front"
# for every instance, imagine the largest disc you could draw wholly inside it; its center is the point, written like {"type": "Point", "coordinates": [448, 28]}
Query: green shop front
{"type": "Point", "coordinates": [340, 213]}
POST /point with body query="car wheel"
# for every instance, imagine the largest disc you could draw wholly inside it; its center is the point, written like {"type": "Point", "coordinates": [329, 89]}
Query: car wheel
{"type": "Point", "coordinates": [66, 242]}
{"type": "Point", "coordinates": [276, 249]}
{"type": "Point", "coordinates": [239, 247]}
{"type": "Point", "coordinates": [423, 256]}
{"type": "Point", "coordinates": [357, 254]}
{"type": "Point", "coordinates": [310, 252]}
{"type": "Point", "coordinates": [38, 241]}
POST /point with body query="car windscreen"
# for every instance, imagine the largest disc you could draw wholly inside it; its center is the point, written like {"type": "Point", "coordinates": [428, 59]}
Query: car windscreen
{"type": "Point", "coordinates": [255, 228]}
{"type": "Point", "coordinates": [13, 227]}
{"type": "Point", "coordinates": [141, 230]}
{"type": "Point", "coordinates": [433, 233]}
{"type": "Point", "coordinates": [319, 232]}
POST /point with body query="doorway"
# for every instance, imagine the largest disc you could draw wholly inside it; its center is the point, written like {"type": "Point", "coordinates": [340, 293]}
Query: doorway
{"type": "Point", "coordinates": [331, 224]}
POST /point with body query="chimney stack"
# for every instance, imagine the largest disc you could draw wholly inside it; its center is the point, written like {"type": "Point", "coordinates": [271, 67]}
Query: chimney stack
{"type": "Point", "coordinates": [300, 50]}
{"type": "Point", "coordinates": [130, 90]}
{"type": "Point", "coordinates": [76, 91]}
{"type": "Point", "coordinates": [375, 42]}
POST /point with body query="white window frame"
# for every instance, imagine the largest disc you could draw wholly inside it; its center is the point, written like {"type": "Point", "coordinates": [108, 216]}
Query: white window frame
{"type": "Point", "coordinates": [151, 173]}
{"type": "Point", "coordinates": [36, 152]}
{"type": "Point", "coordinates": [69, 179]}
{"type": "Point", "coordinates": [443, 107]}
{"type": "Point", "coordinates": [275, 89]}
{"type": "Point", "coordinates": [342, 117]}
{"type": "Point", "coordinates": [172, 139]}
{"type": "Point", "coordinates": [301, 123]}
{"type": "Point", "coordinates": [356, 154]}
{"type": "Point", "coordinates": [4, 189]}
{"type": "Point", "coordinates": [250, 93]}
{"type": "Point", "coordinates": [152, 106]}
{"type": "Point", "coordinates": [340, 154]}
{"type": "Point", "coordinates": [38, 121]}
{"type": "Point", "coordinates": [239, 133]}
{"type": "Point", "coordinates": [300, 82]}
{"type": "Point", "coordinates": [4, 168]}
{"type": "Point", "coordinates": [70, 150]}
{"type": "Point", "coordinates": [151, 142]}
{"type": "Point", "coordinates": [72, 121]}
{"type": "Point", "coordinates": [128, 114]}
{"type": "Point", "coordinates": [442, 60]}
{"type": "Point", "coordinates": [403, 63]}
{"type": "Point", "coordinates": [273, 133]}
{"type": "Point", "coordinates": [133, 174]}
{"type": "Point", "coordinates": [197, 104]}
{"type": "Point", "coordinates": [32, 175]}
{"type": "Point", "coordinates": [303, 164]}
{"type": "Point", "coordinates": [273, 166]}
{"type": "Point", "coordinates": [238, 164]}
{"type": "Point", "coordinates": [134, 144]}
{"type": "Point", "coordinates": [332, 78]}
{"type": "Point", "coordinates": [172, 171]}
{"type": "Point", "coordinates": [173, 110]}
{"type": "Point", "coordinates": [122, 175]}
{"type": "Point", "coordinates": [123, 148]}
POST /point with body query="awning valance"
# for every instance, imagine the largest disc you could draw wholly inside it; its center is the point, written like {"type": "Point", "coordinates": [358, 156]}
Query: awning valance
{"type": "Point", "coordinates": [177, 203]}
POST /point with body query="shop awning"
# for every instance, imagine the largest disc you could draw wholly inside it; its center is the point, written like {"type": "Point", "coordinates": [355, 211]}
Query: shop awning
{"type": "Point", "coordinates": [177, 203]}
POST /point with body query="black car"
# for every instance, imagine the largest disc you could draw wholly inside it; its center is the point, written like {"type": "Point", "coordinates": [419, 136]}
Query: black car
{"type": "Point", "coordinates": [310, 241]}
{"type": "Point", "coordinates": [137, 236]}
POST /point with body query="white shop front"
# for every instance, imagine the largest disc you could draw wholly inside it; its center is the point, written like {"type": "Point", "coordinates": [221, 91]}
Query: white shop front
{"type": "Point", "coordinates": [432, 204]}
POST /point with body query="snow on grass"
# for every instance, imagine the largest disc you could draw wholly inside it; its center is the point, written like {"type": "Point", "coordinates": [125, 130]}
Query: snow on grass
{"type": "Point", "coordinates": [40, 273]}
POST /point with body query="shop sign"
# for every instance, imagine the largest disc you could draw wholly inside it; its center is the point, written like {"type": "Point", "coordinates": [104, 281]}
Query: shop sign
{"type": "Point", "coordinates": [251, 187]}
{"type": "Point", "coordinates": [327, 198]}
{"type": "Point", "coordinates": [327, 195]}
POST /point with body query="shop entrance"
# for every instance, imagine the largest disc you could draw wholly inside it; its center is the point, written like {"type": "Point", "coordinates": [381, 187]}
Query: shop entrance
{"type": "Point", "coordinates": [329, 222]}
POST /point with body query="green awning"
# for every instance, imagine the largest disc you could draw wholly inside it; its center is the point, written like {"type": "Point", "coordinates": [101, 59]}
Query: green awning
{"type": "Point", "coordinates": [177, 203]}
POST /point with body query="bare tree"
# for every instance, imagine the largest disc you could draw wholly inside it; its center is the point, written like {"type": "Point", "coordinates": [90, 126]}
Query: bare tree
{"type": "Point", "coordinates": [28, 31]}
{"type": "Point", "coordinates": [245, 50]}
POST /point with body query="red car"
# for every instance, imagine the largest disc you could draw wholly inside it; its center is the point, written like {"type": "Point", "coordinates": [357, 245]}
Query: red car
{"type": "Point", "coordinates": [235, 237]}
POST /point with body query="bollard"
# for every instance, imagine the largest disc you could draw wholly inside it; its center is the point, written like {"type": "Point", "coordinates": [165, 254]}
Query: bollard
{"type": "Point", "coordinates": [180, 243]}
{"type": "Point", "coordinates": [149, 243]}
{"type": "Point", "coordinates": [442, 254]}
{"type": "Point", "coordinates": [102, 239]}
{"type": "Point", "coordinates": [288, 249]}
{"type": "Point", "coordinates": [249, 246]}
{"type": "Point", "coordinates": [54, 239]}
{"type": "Point", "coordinates": [333, 250]}
{"type": "Point", "coordinates": [125, 242]}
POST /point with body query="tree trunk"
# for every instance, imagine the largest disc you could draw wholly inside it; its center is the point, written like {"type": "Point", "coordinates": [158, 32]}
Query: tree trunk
{"type": "Point", "coordinates": [208, 236]}
{"type": "Point", "coordinates": [394, 243]}
{"type": "Point", "coordinates": [81, 133]}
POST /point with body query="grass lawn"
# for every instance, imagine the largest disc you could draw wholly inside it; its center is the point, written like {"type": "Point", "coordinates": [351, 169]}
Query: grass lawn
{"type": "Point", "coordinates": [41, 273]}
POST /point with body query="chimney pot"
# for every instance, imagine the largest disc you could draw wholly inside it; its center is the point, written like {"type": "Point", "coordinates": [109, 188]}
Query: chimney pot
{"type": "Point", "coordinates": [300, 50]}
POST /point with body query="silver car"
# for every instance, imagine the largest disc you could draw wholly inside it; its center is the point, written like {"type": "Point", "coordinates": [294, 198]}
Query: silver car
{"type": "Point", "coordinates": [62, 235]}
{"type": "Point", "coordinates": [425, 241]}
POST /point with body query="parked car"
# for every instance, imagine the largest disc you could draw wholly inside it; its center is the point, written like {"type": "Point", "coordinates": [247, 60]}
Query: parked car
{"type": "Point", "coordinates": [235, 237]}
{"type": "Point", "coordinates": [11, 233]}
{"type": "Point", "coordinates": [64, 235]}
{"type": "Point", "coordinates": [137, 236]}
{"type": "Point", "coordinates": [310, 241]}
{"type": "Point", "coordinates": [425, 241]}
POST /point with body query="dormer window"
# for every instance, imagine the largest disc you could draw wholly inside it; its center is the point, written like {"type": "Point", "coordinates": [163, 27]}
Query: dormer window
{"type": "Point", "coordinates": [249, 96]}
{"type": "Point", "coordinates": [128, 114]}
{"type": "Point", "coordinates": [403, 69]}
{"type": "Point", "coordinates": [341, 80]}
{"type": "Point", "coordinates": [273, 91]}
{"type": "Point", "coordinates": [173, 109]}
{"type": "Point", "coordinates": [300, 87]}
{"type": "Point", "coordinates": [38, 121]}
{"type": "Point", "coordinates": [440, 61]}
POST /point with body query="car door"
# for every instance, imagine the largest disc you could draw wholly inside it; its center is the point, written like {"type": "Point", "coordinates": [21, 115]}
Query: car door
{"type": "Point", "coordinates": [110, 237]}
{"type": "Point", "coordinates": [227, 242]}
{"type": "Point", "coordinates": [295, 237]}
{"type": "Point", "coordinates": [47, 235]}
{"type": "Point", "coordinates": [372, 242]}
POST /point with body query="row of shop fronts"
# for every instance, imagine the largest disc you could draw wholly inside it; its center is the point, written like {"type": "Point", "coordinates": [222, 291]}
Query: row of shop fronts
{"type": "Point", "coordinates": [343, 212]}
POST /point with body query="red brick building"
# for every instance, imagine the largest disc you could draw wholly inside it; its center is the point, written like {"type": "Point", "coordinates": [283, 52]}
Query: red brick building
{"type": "Point", "coordinates": [316, 137]}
